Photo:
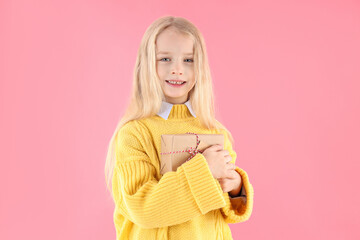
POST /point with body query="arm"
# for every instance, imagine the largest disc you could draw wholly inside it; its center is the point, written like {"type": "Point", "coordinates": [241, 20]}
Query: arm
{"type": "Point", "coordinates": [150, 203]}
{"type": "Point", "coordinates": [237, 191]}
{"type": "Point", "coordinates": [238, 209]}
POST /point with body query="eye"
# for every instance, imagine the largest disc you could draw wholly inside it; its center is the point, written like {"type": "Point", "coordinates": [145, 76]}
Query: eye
{"type": "Point", "coordinates": [191, 60]}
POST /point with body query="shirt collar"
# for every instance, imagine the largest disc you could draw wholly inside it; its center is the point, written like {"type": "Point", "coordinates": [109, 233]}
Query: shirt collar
{"type": "Point", "coordinates": [166, 109]}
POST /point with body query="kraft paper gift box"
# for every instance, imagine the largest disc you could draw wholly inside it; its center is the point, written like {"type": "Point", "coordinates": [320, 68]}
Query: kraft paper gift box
{"type": "Point", "coordinates": [176, 148]}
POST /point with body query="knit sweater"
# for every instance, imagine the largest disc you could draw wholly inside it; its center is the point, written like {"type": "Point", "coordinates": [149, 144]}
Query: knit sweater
{"type": "Point", "coordinates": [184, 204]}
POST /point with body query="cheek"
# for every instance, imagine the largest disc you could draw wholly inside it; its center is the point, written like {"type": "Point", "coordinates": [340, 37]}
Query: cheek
{"type": "Point", "coordinates": [160, 72]}
{"type": "Point", "coordinates": [191, 73]}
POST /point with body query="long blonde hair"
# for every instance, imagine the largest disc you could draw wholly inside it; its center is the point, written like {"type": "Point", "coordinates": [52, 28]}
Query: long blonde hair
{"type": "Point", "coordinates": [147, 94]}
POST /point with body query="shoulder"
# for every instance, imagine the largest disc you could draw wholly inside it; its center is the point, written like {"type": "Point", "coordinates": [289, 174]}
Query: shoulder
{"type": "Point", "coordinates": [221, 129]}
{"type": "Point", "coordinates": [130, 126]}
{"type": "Point", "coordinates": [132, 131]}
{"type": "Point", "coordinates": [133, 126]}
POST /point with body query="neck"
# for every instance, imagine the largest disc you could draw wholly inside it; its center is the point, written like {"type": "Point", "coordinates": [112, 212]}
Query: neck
{"type": "Point", "coordinates": [176, 101]}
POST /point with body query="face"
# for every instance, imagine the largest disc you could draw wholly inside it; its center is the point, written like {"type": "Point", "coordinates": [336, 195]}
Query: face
{"type": "Point", "coordinates": [174, 61]}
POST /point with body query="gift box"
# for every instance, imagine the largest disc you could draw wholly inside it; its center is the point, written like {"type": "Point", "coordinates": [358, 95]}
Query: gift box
{"type": "Point", "coordinates": [176, 149]}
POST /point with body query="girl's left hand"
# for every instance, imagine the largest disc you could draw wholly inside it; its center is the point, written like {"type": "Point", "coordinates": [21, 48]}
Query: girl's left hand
{"type": "Point", "coordinates": [232, 183]}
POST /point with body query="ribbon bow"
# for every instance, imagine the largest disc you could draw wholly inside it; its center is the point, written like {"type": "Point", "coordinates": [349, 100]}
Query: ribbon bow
{"type": "Point", "coordinates": [194, 151]}
{"type": "Point", "coordinates": [191, 150]}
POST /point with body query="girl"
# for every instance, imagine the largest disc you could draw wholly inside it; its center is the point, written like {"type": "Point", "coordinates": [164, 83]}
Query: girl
{"type": "Point", "coordinates": [172, 94]}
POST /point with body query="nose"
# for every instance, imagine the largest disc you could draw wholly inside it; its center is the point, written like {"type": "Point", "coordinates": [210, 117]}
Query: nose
{"type": "Point", "coordinates": [177, 69]}
{"type": "Point", "coordinates": [173, 72]}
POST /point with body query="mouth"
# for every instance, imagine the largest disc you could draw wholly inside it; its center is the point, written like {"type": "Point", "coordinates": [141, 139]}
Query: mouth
{"type": "Point", "coordinates": [175, 83]}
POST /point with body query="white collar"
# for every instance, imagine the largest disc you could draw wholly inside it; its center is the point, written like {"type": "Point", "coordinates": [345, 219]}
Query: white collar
{"type": "Point", "coordinates": [166, 109]}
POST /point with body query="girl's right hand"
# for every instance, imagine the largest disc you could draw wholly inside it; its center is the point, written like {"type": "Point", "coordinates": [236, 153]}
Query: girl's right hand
{"type": "Point", "coordinates": [218, 161]}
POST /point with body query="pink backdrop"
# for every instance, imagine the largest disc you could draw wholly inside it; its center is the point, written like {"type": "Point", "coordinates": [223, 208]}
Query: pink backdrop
{"type": "Point", "coordinates": [286, 76]}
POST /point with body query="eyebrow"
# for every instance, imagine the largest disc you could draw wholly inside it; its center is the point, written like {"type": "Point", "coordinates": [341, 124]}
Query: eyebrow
{"type": "Point", "coordinates": [163, 52]}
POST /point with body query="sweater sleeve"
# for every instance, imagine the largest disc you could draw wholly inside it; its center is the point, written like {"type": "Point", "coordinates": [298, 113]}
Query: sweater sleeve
{"type": "Point", "coordinates": [238, 209]}
{"type": "Point", "coordinates": [150, 203]}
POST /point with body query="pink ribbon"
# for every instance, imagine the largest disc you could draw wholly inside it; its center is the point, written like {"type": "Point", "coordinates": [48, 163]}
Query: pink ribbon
{"type": "Point", "coordinates": [194, 151]}
{"type": "Point", "coordinates": [191, 150]}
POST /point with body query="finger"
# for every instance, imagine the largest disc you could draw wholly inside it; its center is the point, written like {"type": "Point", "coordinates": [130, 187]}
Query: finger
{"type": "Point", "coordinates": [232, 174]}
{"type": "Point", "coordinates": [224, 152]}
{"type": "Point", "coordinates": [217, 147]}
{"type": "Point", "coordinates": [234, 166]}
{"type": "Point", "coordinates": [220, 146]}
{"type": "Point", "coordinates": [231, 166]}
{"type": "Point", "coordinates": [228, 159]}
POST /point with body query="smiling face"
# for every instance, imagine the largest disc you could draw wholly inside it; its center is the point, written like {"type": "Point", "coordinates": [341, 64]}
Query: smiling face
{"type": "Point", "coordinates": [174, 61]}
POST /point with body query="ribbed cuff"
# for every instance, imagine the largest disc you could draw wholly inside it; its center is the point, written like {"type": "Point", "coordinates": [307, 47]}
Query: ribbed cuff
{"type": "Point", "coordinates": [239, 209]}
{"type": "Point", "coordinates": [204, 187]}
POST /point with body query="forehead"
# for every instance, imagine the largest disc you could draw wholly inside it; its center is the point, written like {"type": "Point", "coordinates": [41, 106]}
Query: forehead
{"type": "Point", "coordinates": [172, 41]}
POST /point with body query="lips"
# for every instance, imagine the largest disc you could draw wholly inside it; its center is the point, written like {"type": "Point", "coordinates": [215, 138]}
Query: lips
{"type": "Point", "coordinates": [177, 84]}
{"type": "Point", "coordinates": [175, 80]}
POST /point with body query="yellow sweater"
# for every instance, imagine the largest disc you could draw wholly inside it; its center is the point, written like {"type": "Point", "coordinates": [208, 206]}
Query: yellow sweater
{"type": "Point", "coordinates": [186, 204]}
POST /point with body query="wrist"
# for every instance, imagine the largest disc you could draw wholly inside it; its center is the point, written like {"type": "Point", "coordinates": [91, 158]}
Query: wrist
{"type": "Point", "coordinates": [236, 192]}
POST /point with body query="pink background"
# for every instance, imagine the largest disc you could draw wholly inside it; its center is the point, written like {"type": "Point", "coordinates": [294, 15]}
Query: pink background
{"type": "Point", "coordinates": [286, 76]}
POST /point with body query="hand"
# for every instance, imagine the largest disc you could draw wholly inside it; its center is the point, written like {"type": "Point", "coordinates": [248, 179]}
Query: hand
{"type": "Point", "coordinates": [232, 183]}
{"type": "Point", "coordinates": [218, 161]}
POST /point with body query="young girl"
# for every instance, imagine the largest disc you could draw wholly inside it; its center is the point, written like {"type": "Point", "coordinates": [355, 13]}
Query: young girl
{"type": "Point", "coordinates": [172, 94]}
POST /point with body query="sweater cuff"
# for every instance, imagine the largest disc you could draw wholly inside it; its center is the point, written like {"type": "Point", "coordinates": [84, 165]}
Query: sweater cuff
{"type": "Point", "coordinates": [239, 209]}
{"type": "Point", "coordinates": [206, 190]}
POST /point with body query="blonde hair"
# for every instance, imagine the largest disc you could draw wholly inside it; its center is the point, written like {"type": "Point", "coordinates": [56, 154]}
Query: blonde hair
{"type": "Point", "coordinates": [147, 94]}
